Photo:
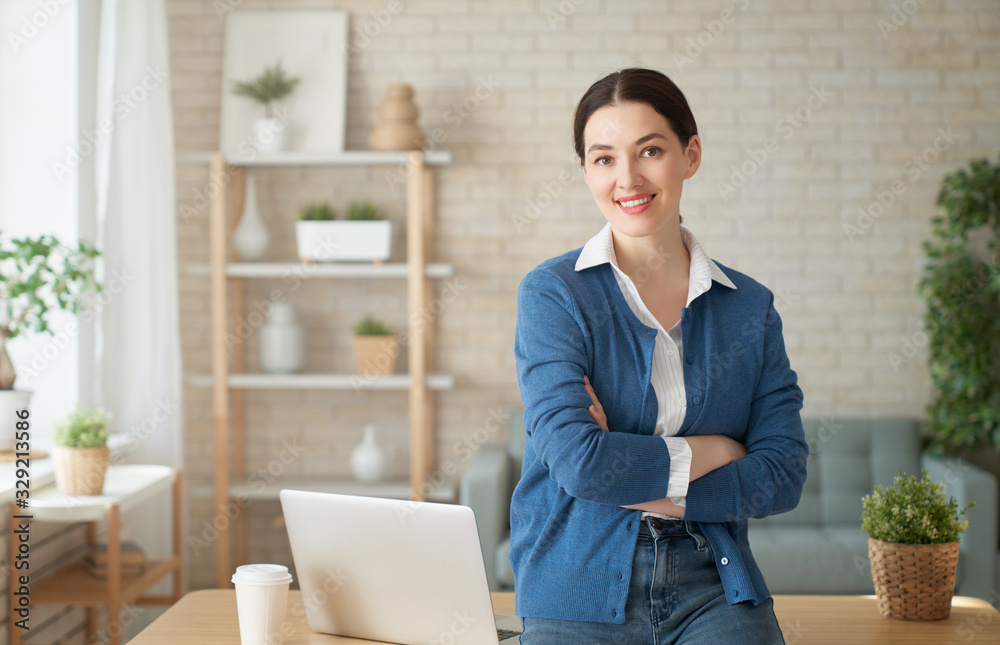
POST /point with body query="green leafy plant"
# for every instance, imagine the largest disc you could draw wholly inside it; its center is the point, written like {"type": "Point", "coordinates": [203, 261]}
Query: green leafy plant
{"type": "Point", "coordinates": [318, 212]}
{"type": "Point", "coordinates": [372, 326]}
{"type": "Point", "coordinates": [38, 275]}
{"type": "Point", "coordinates": [363, 212]}
{"type": "Point", "coordinates": [83, 428]}
{"type": "Point", "coordinates": [961, 285]}
{"type": "Point", "coordinates": [913, 511]}
{"type": "Point", "coordinates": [271, 85]}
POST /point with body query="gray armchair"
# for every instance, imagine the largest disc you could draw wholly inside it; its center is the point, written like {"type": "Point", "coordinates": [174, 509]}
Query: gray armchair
{"type": "Point", "coordinates": [818, 548]}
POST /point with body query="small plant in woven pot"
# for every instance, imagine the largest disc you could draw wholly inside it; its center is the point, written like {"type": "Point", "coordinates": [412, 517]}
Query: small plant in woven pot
{"type": "Point", "coordinates": [80, 452]}
{"type": "Point", "coordinates": [376, 347]}
{"type": "Point", "coordinates": [913, 530]}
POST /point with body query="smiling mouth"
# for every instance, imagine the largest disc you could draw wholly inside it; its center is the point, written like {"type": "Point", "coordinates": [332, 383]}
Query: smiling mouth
{"type": "Point", "coordinates": [632, 203]}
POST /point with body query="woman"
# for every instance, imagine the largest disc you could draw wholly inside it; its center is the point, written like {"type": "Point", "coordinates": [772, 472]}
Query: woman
{"type": "Point", "coordinates": [660, 407]}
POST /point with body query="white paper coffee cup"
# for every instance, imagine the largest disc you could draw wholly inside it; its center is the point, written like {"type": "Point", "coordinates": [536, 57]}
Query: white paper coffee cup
{"type": "Point", "coordinates": [261, 599]}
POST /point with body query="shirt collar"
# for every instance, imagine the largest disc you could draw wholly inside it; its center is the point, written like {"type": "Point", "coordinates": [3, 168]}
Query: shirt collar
{"type": "Point", "coordinates": [600, 249]}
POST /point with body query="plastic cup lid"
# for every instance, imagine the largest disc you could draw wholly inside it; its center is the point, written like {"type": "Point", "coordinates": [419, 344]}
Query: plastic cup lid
{"type": "Point", "coordinates": [262, 574]}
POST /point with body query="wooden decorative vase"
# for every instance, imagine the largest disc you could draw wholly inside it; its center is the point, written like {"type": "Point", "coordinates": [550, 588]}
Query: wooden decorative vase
{"type": "Point", "coordinates": [397, 127]}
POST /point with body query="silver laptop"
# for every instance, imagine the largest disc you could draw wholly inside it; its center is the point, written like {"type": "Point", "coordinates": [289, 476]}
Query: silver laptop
{"type": "Point", "coordinates": [392, 570]}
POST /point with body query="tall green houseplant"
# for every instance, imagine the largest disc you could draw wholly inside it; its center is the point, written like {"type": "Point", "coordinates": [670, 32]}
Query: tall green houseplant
{"type": "Point", "coordinates": [37, 276]}
{"type": "Point", "coordinates": [961, 285]}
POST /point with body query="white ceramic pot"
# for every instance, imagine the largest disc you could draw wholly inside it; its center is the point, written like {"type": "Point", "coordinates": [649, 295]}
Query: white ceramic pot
{"type": "Point", "coordinates": [367, 459]}
{"type": "Point", "coordinates": [269, 135]}
{"type": "Point", "coordinates": [344, 241]}
{"type": "Point", "coordinates": [250, 239]}
{"type": "Point", "coordinates": [11, 402]}
{"type": "Point", "coordinates": [282, 341]}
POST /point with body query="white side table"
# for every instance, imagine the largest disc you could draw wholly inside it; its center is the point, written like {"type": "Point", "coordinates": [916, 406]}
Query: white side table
{"type": "Point", "coordinates": [124, 487]}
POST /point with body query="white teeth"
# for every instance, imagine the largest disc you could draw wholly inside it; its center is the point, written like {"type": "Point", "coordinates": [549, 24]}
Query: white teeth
{"type": "Point", "coordinates": [636, 202]}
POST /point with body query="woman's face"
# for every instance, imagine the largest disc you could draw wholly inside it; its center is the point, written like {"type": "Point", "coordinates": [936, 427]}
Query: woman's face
{"type": "Point", "coordinates": [635, 166]}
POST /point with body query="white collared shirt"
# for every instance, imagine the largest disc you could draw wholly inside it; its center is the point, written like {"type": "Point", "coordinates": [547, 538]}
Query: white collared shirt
{"type": "Point", "coordinates": [667, 376]}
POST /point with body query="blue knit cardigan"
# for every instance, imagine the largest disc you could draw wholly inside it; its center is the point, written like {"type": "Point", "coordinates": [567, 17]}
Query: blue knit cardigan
{"type": "Point", "coordinates": [572, 544]}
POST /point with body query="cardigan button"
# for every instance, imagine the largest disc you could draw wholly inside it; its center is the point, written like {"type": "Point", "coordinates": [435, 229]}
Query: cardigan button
{"type": "Point", "coordinates": [690, 360]}
{"type": "Point", "coordinates": [697, 400]}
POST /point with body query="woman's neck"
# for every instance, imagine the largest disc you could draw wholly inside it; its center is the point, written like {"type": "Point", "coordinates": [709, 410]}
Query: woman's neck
{"type": "Point", "coordinates": [657, 257]}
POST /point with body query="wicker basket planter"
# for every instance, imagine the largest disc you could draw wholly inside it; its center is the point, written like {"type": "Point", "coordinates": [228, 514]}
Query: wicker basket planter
{"type": "Point", "coordinates": [376, 355]}
{"type": "Point", "coordinates": [913, 581]}
{"type": "Point", "coordinates": [80, 471]}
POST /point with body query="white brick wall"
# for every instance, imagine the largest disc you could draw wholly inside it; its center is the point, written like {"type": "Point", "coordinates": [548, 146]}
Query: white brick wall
{"type": "Point", "coordinates": [848, 301]}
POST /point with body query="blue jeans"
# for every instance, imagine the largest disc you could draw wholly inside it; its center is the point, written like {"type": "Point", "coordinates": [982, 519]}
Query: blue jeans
{"type": "Point", "coordinates": [675, 597]}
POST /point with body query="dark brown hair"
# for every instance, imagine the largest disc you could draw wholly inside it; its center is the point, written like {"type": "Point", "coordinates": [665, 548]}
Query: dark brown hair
{"type": "Point", "coordinates": [637, 85]}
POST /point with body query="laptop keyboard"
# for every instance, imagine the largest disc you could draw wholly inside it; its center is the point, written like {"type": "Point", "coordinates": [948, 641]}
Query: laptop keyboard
{"type": "Point", "coordinates": [506, 633]}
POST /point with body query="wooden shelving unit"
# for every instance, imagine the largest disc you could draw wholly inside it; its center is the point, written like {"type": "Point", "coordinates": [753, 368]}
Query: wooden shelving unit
{"type": "Point", "coordinates": [124, 487]}
{"type": "Point", "coordinates": [228, 381]}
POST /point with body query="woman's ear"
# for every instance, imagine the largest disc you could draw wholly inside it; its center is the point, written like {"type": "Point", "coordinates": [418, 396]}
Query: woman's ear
{"type": "Point", "coordinates": [693, 154]}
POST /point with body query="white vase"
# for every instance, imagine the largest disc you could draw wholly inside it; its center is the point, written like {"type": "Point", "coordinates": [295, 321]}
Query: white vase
{"type": "Point", "coordinates": [12, 402]}
{"type": "Point", "coordinates": [269, 135]}
{"type": "Point", "coordinates": [282, 341]}
{"type": "Point", "coordinates": [250, 239]}
{"type": "Point", "coordinates": [367, 459]}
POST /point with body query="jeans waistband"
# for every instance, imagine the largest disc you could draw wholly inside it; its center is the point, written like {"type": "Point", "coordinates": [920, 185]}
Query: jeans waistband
{"type": "Point", "coordinates": [657, 527]}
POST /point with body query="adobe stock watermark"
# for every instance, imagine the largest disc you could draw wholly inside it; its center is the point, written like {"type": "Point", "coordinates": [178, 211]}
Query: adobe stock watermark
{"type": "Point", "coordinates": [913, 170]}
{"type": "Point", "coordinates": [784, 129]}
{"type": "Point", "coordinates": [697, 44]}
{"type": "Point", "coordinates": [462, 451]}
{"type": "Point", "coordinates": [910, 346]}
{"type": "Point", "coordinates": [455, 116]}
{"type": "Point", "coordinates": [545, 197]}
{"type": "Point", "coordinates": [899, 15]}
{"type": "Point", "coordinates": [32, 25]}
{"type": "Point", "coordinates": [566, 9]}
{"type": "Point", "coordinates": [259, 480]}
{"type": "Point", "coordinates": [419, 320]}
{"type": "Point", "coordinates": [124, 105]}
{"type": "Point", "coordinates": [377, 21]}
{"type": "Point", "coordinates": [42, 357]}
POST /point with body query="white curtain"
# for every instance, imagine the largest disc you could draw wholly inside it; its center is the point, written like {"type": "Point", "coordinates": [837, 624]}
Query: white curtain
{"type": "Point", "coordinates": [139, 377]}
{"type": "Point", "coordinates": [138, 372]}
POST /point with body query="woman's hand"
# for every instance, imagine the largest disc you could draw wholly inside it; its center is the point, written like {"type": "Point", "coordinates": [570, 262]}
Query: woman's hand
{"type": "Point", "coordinates": [596, 410]}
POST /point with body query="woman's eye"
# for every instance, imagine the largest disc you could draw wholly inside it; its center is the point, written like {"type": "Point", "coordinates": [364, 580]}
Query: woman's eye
{"type": "Point", "coordinates": [602, 161]}
{"type": "Point", "coordinates": [651, 152]}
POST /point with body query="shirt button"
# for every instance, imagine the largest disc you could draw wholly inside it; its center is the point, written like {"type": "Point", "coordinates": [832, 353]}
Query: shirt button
{"type": "Point", "coordinates": [670, 352]}
{"type": "Point", "coordinates": [724, 561]}
{"type": "Point", "coordinates": [681, 402]}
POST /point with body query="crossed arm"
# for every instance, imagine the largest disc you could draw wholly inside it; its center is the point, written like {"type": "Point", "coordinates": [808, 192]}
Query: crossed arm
{"type": "Point", "coordinates": [708, 452]}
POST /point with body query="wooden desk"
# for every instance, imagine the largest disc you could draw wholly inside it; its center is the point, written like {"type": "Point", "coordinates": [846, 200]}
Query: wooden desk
{"type": "Point", "coordinates": [209, 617]}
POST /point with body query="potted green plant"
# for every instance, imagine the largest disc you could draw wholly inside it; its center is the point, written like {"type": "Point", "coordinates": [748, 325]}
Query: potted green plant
{"type": "Point", "coordinates": [272, 85]}
{"type": "Point", "coordinates": [37, 276]}
{"type": "Point", "coordinates": [961, 286]}
{"type": "Point", "coordinates": [80, 452]}
{"type": "Point", "coordinates": [913, 530]}
{"type": "Point", "coordinates": [363, 237]}
{"type": "Point", "coordinates": [376, 347]}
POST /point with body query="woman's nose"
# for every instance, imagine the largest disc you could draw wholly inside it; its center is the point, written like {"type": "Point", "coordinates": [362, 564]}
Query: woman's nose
{"type": "Point", "coordinates": [628, 174]}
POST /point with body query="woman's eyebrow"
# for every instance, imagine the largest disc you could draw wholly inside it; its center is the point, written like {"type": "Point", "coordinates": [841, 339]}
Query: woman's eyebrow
{"type": "Point", "coordinates": [639, 141]}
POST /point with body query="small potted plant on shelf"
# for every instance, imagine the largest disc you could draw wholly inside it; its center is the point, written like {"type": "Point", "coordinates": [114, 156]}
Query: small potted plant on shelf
{"type": "Point", "coordinates": [37, 276]}
{"type": "Point", "coordinates": [80, 452]}
{"type": "Point", "coordinates": [271, 85]}
{"type": "Point", "coordinates": [913, 531]}
{"type": "Point", "coordinates": [376, 347]}
{"type": "Point", "coordinates": [363, 237]}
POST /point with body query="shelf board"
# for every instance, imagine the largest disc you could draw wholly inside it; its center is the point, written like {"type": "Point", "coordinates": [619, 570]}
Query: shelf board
{"type": "Point", "coordinates": [322, 270]}
{"type": "Point", "coordinates": [74, 585]}
{"type": "Point", "coordinates": [323, 382]}
{"type": "Point", "coordinates": [125, 485]}
{"type": "Point", "coordinates": [344, 158]}
{"type": "Point", "coordinates": [391, 490]}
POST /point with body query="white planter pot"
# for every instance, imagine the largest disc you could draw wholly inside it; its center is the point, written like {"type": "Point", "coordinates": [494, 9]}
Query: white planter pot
{"type": "Point", "coordinates": [11, 402]}
{"type": "Point", "coordinates": [282, 341]}
{"type": "Point", "coordinates": [344, 241]}
{"type": "Point", "coordinates": [269, 135]}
